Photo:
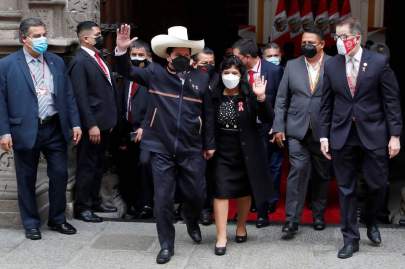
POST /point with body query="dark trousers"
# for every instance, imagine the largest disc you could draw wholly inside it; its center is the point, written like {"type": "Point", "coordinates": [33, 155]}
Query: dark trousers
{"type": "Point", "coordinates": [187, 172]}
{"type": "Point", "coordinates": [374, 166]}
{"type": "Point", "coordinates": [274, 160]}
{"type": "Point", "coordinates": [209, 176]}
{"type": "Point", "coordinates": [128, 172]}
{"type": "Point", "coordinates": [307, 163]}
{"type": "Point", "coordinates": [90, 169]}
{"type": "Point", "coordinates": [52, 144]}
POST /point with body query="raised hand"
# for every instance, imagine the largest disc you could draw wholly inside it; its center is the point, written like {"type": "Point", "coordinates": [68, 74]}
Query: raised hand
{"type": "Point", "coordinates": [259, 87]}
{"type": "Point", "coordinates": [124, 37]}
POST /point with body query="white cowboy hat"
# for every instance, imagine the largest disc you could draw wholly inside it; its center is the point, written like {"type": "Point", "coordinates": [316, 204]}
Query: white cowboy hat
{"type": "Point", "coordinates": [177, 37]}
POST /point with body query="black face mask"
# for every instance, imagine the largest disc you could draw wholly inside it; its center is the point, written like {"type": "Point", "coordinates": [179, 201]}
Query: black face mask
{"type": "Point", "coordinates": [139, 63]}
{"type": "Point", "coordinates": [209, 68]}
{"type": "Point", "coordinates": [181, 64]}
{"type": "Point", "coordinates": [308, 50]}
{"type": "Point", "coordinates": [99, 43]}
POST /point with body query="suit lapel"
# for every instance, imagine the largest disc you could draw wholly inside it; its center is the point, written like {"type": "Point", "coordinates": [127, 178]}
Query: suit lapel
{"type": "Point", "coordinates": [25, 70]}
{"type": "Point", "coordinates": [364, 59]}
{"type": "Point", "coordinates": [303, 66]}
{"type": "Point", "coordinates": [321, 71]}
{"type": "Point", "coordinates": [96, 64]}
{"type": "Point", "coordinates": [52, 69]}
{"type": "Point", "coordinates": [343, 76]}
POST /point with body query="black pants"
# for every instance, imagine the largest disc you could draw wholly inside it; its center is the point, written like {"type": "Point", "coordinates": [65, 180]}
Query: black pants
{"type": "Point", "coordinates": [374, 166]}
{"type": "Point", "coordinates": [52, 144]}
{"type": "Point", "coordinates": [90, 169]}
{"type": "Point", "coordinates": [187, 172]}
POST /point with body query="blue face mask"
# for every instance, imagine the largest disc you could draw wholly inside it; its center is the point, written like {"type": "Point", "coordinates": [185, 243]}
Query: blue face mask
{"type": "Point", "coordinates": [273, 60]}
{"type": "Point", "coordinates": [40, 44]}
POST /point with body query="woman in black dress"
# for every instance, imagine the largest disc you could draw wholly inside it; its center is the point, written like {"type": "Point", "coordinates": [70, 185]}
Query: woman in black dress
{"type": "Point", "coordinates": [239, 161]}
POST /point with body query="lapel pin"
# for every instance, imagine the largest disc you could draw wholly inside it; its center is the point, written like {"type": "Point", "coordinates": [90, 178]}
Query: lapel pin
{"type": "Point", "coordinates": [364, 67]}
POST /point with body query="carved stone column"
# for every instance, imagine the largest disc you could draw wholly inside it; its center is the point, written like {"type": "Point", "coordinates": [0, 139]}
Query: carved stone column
{"type": "Point", "coordinates": [61, 18]}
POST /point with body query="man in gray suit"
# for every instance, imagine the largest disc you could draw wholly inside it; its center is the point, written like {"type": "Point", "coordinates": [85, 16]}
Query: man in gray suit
{"type": "Point", "coordinates": [297, 121]}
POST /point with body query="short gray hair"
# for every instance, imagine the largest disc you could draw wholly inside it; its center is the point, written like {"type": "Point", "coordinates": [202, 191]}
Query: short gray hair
{"type": "Point", "coordinates": [354, 25]}
{"type": "Point", "coordinates": [26, 24]}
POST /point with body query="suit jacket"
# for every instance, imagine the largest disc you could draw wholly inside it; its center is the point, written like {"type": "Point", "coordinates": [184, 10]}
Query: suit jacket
{"type": "Point", "coordinates": [19, 102]}
{"type": "Point", "coordinates": [375, 108]}
{"type": "Point", "coordinates": [96, 96]}
{"type": "Point", "coordinates": [297, 109]}
{"type": "Point", "coordinates": [138, 102]}
{"type": "Point", "coordinates": [273, 74]}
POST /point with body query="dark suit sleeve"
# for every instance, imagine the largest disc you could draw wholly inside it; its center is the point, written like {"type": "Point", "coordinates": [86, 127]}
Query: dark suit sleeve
{"type": "Point", "coordinates": [265, 110]}
{"type": "Point", "coordinates": [4, 122]}
{"type": "Point", "coordinates": [281, 103]}
{"type": "Point", "coordinates": [209, 121]}
{"type": "Point", "coordinates": [278, 75]}
{"type": "Point", "coordinates": [391, 95]}
{"type": "Point", "coordinates": [141, 105]}
{"type": "Point", "coordinates": [326, 110]}
{"type": "Point", "coordinates": [73, 111]}
{"type": "Point", "coordinates": [126, 69]}
{"type": "Point", "coordinates": [78, 77]}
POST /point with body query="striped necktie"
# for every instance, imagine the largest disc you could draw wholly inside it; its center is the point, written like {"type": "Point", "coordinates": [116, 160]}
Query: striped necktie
{"type": "Point", "coordinates": [38, 72]}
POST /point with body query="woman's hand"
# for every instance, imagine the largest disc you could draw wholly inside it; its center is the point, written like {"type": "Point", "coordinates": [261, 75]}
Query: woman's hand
{"type": "Point", "coordinates": [259, 88]}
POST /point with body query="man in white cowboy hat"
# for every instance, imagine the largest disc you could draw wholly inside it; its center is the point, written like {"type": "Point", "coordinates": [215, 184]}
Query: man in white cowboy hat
{"type": "Point", "coordinates": [178, 129]}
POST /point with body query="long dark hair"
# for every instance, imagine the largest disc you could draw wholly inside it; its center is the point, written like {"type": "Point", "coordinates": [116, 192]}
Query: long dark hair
{"type": "Point", "coordinates": [229, 62]}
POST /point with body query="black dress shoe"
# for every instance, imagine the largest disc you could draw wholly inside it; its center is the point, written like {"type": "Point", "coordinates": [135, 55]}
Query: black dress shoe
{"type": "Point", "coordinates": [194, 232]}
{"type": "Point", "coordinates": [205, 217]}
{"type": "Point", "coordinates": [88, 216]}
{"type": "Point", "coordinates": [289, 230]}
{"type": "Point", "coordinates": [105, 209]}
{"type": "Point", "coordinates": [146, 212]}
{"type": "Point", "coordinates": [33, 234]}
{"type": "Point", "coordinates": [319, 224]}
{"type": "Point", "coordinates": [220, 250]}
{"type": "Point", "coordinates": [63, 228]}
{"type": "Point", "coordinates": [347, 250]}
{"type": "Point", "coordinates": [164, 256]}
{"type": "Point", "coordinates": [262, 222]}
{"type": "Point", "coordinates": [272, 207]}
{"type": "Point", "coordinates": [374, 235]}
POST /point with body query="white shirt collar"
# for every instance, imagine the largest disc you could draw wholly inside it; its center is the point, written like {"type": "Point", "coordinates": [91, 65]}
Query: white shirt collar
{"type": "Point", "coordinates": [356, 56]}
{"type": "Point", "coordinates": [29, 58]}
{"type": "Point", "coordinates": [256, 68]}
{"type": "Point", "coordinates": [92, 53]}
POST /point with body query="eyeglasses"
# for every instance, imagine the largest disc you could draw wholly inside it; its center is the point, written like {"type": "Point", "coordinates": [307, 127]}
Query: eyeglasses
{"type": "Point", "coordinates": [343, 37]}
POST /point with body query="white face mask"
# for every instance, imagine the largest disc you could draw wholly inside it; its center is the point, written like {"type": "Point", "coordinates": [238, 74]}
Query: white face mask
{"type": "Point", "coordinates": [340, 47]}
{"type": "Point", "coordinates": [230, 81]}
{"type": "Point", "coordinates": [274, 60]}
{"type": "Point", "coordinates": [135, 58]}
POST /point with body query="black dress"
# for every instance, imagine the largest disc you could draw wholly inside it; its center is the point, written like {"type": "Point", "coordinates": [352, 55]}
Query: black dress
{"type": "Point", "coordinates": [230, 177]}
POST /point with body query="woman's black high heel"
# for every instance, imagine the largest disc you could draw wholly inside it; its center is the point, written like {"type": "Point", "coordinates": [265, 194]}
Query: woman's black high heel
{"type": "Point", "coordinates": [220, 250]}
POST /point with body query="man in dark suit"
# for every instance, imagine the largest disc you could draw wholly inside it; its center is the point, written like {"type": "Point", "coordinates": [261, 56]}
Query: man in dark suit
{"type": "Point", "coordinates": [361, 120]}
{"type": "Point", "coordinates": [205, 62]}
{"type": "Point", "coordinates": [248, 52]}
{"type": "Point", "coordinates": [94, 88]}
{"type": "Point", "coordinates": [297, 120]}
{"type": "Point", "coordinates": [37, 113]}
{"type": "Point", "coordinates": [136, 185]}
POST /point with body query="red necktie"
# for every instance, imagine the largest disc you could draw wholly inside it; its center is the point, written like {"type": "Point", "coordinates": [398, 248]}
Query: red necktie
{"type": "Point", "coordinates": [134, 88]}
{"type": "Point", "coordinates": [251, 77]}
{"type": "Point", "coordinates": [101, 64]}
